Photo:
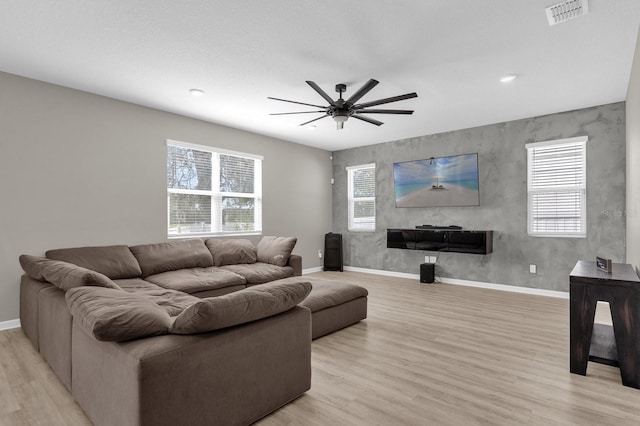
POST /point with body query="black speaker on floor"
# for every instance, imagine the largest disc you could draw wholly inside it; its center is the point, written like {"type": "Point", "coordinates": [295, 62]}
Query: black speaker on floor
{"type": "Point", "coordinates": [333, 252]}
{"type": "Point", "coordinates": [427, 272]}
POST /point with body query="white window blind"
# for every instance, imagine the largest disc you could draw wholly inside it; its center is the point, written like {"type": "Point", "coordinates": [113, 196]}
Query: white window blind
{"type": "Point", "coordinates": [557, 187]}
{"type": "Point", "coordinates": [362, 197]}
{"type": "Point", "coordinates": [212, 191]}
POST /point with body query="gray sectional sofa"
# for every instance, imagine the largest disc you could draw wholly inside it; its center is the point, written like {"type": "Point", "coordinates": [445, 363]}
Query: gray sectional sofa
{"type": "Point", "coordinates": [188, 332]}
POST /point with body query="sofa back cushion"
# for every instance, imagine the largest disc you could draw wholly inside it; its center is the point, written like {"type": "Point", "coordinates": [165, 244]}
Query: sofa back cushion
{"type": "Point", "coordinates": [231, 251]}
{"type": "Point", "coordinates": [240, 307]}
{"type": "Point", "coordinates": [275, 250]}
{"type": "Point", "coordinates": [171, 256]}
{"type": "Point", "coordinates": [116, 262]}
{"type": "Point", "coordinates": [62, 274]}
{"type": "Point", "coordinates": [116, 315]}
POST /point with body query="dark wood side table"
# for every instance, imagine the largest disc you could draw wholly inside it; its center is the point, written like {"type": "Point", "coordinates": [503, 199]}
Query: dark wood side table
{"type": "Point", "coordinates": [621, 288]}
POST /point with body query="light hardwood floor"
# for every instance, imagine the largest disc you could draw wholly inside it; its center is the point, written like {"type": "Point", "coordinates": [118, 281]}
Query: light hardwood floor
{"type": "Point", "coordinates": [428, 354]}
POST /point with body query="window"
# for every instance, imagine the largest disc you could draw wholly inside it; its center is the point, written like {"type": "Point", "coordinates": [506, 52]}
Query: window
{"type": "Point", "coordinates": [212, 191]}
{"type": "Point", "coordinates": [362, 197]}
{"type": "Point", "coordinates": [557, 187]}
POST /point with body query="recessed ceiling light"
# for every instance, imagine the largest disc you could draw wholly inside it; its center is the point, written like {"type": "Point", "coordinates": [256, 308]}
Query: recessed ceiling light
{"type": "Point", "coordinates": [196, 92]}
{"type": "Point", "coordinates": [507, 78]}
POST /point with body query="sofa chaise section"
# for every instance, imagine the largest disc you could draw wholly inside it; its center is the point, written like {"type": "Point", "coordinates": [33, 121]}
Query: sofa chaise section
{"type": "Point", "coordinates": [257, 359]}
{"type": "Point", "coordinates": [232, 376]}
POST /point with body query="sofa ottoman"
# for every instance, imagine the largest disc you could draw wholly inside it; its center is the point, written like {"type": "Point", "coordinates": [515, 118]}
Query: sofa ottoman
{"type": "Point", "coordinates": [333, 304]}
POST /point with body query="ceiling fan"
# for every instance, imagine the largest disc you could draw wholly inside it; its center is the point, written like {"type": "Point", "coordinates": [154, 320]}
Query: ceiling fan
{"type": "Point", "coordinates": [342, 109]}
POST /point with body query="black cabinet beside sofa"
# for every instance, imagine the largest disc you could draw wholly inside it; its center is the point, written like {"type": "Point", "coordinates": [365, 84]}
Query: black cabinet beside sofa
{"type": "Point", "coordinates": [445, 240]}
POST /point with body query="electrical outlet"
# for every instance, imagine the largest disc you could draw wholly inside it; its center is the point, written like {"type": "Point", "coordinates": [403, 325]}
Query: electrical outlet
{"type": "Point", "coordinates": [319, 254]}
{"type": "Point", "coordinates": [432, 259]}
{"type": "Point", "coordinates": [532, 269]}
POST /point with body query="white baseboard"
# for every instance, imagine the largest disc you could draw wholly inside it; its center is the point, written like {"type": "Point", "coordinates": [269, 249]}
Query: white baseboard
{"type": "Point", "coordinates": [504, 287]}
{"type": "Point", "coordinates": [492, 286]}
{"type": "Point", "coordinates": [8, 325]}
{"type": "Point", "coordinates": [312, 270]}
{"type": "Point", "coordinates": [382, 272]}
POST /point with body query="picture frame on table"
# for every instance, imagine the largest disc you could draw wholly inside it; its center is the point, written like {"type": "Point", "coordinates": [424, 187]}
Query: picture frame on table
{"type": "Point", "coordinates": [603, 264]}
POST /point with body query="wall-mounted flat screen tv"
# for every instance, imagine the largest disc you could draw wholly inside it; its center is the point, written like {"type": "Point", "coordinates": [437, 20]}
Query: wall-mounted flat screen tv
{"type": "Point", "coordinates": [437, 182]}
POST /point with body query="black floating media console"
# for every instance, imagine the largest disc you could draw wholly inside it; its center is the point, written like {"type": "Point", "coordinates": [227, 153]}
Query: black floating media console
{"type": "Point", "coordinates": [448, 238]}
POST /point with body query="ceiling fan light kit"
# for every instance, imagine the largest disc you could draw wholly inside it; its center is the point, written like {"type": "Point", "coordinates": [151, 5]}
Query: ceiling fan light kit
{"type": "Point", "coordinates": [340, 109]}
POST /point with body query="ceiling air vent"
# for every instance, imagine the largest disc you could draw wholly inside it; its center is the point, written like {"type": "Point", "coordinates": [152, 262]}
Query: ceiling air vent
{"type": "Point", "coordinates": [566, 11]}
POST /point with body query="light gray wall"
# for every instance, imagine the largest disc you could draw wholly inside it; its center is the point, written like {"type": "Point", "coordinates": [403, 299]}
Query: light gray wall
{"type": "Point", "coordinates": [78, 169]}
{"type": "Point", "coordinates": [503, 200]}
{"type": "Point", "coordinates": [633, 161]}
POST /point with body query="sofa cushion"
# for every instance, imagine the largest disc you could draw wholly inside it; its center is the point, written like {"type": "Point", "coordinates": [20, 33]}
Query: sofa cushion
{"type": "Point", "coordinates": [231, 251]}
{"type": "Point", "coordinates": [62, 274]}
{"type": "Point", "coordinates": [115, 315]}
{"type": "Point", "coordinates": [275, 250]}
{"type": "Point", "coordinates": [133, 285]}
{"type": "Point", "coordinates": [259, 273]}
{"type": "Point", "coordinates": [240, 307]}
{"type": "Point", "coordinates": [171, 301]}
{"type": "Point", "coordinates": [116, 262]}
{"type": "Point", "coordinates": [194, 280]}
{"type": "Point", "coordinates": [173, 255]}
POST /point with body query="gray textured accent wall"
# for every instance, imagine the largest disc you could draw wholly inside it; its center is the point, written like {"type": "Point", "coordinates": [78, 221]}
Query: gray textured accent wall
{"type": "Point", "coordinates": [633, 160]}
{"type": "Point", "coordinates": [77, 169]}
{"type": "Point", "coordinates": [503, 200]}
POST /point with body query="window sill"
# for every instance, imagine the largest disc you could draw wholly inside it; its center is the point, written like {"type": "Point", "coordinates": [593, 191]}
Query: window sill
{"type": "Point", "coordinates": [212, 235]}
{"type": "Point", "coordinates": [558, 235]}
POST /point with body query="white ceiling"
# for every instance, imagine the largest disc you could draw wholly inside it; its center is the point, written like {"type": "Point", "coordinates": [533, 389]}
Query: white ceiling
{"type": "Point", "coordinates": [451, 52]}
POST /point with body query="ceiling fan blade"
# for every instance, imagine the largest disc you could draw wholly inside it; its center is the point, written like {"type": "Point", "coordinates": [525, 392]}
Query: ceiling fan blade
{"type": "Point", "coordinates": [315, 119]}
{"type": "Point", "coordinates": [368, 120]}
{"type": "Point", "coordinates": [321, 92]}
{"type": "Point", "coordinates": [386, 100]}
{"type": "Point", "coordinates": [295, 102]}
{"type": "Point", "coordinates": [299, 112]}
{"type": "Point", "coordinates": [383, 111]}
{"type": "Point", "coordinates": [362, 91]}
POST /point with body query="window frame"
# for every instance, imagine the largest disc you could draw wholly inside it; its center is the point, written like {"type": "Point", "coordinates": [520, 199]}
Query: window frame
{"type": "Point", "coordinates": [580, 189]}
{"type": "Point", "coordinates": [215, 194]}
{"type": "Point", "coordinates": [352, 222]}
